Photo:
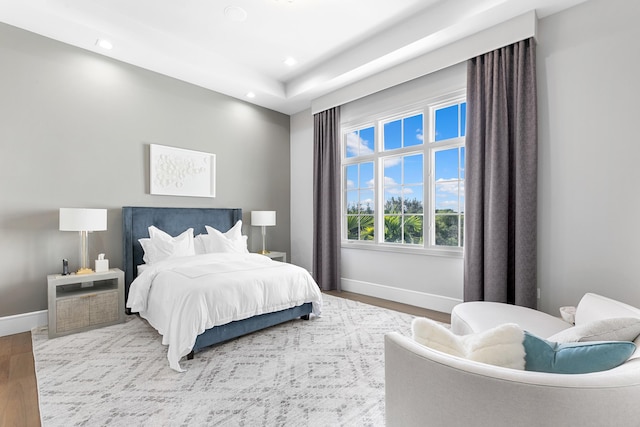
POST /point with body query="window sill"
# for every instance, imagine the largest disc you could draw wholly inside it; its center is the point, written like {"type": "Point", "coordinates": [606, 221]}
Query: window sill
{"type": "Point", "coordinates": [449, 253]}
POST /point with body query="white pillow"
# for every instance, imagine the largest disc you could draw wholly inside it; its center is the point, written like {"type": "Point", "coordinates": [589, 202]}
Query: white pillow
{"type": "Point", "coordinates": [500, 346]}
{"type": "Point", "coordinates": [150, 252]}
{"type": "Point", "coordinates": [230, 242]}
{"type": "Point", "coordinates": [156, 233]}
{"type": "Point", "coordinates": [233, 233]}
{"type": "Point", "coordinates": [161, 245]}
{"type": "Point", "coordinates": [614, 329]}
{"type": "Point", "coordinates": [199, 245]}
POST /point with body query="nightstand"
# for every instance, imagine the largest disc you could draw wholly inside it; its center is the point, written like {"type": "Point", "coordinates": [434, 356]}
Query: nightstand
{"type": "Point", "coordinates": [278, 256]}
{"type": "Point", "coordinates": [80, 302]}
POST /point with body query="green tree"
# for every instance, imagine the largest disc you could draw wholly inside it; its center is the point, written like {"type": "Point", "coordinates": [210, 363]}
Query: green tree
{"type": "Point", "coordinates": [360, 222]}
{"type": "Point", "coordinates": [393, 228]}
{"type": "Point", "coordinates": [396, 219]}
{"type": "Point", "coordinates": [447, 228]}
{"type": "Point", "coordinates": [412, 225]}
{"type": "Point", "coordinates": [395, 206]}
{"type": "Point", "coordinates": [413, 229]}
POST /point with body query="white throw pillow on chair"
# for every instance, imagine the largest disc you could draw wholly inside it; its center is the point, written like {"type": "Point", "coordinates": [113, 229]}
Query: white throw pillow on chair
{"type": "Point", "coordinates": [499, 346]}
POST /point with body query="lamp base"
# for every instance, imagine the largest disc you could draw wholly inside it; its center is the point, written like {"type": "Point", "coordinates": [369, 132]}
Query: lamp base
{"type": "Point", "coordinates": [84, 271]}
{"type": "Point", "coordinates": [264, 252]}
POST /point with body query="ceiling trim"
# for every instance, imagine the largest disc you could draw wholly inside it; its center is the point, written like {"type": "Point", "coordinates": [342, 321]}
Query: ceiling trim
{"type": "Point", "coordinates": [503, 34]}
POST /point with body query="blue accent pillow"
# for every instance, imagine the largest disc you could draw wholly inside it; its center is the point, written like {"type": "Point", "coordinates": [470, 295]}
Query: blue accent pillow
{"type": "Point", "coordinates": [576, 357]}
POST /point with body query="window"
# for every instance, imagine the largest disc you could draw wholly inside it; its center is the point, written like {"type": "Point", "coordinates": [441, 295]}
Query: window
{"type": "Point", "coordinates": [404, 187]}
{"type": "Point", "coordinates": [359, 184]}
{"type": "Point", "coordinates": [448, 166]}
{"type": "Point", "coordinates": [403, 182]}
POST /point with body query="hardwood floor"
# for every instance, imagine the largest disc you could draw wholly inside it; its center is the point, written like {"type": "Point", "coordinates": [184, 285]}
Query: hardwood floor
{"type": "Point", "coordinates": [19, 390]}
{"type": "Point", "coordinates": [391, 305]}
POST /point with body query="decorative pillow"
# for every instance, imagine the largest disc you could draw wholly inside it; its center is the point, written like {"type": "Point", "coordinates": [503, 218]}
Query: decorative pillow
{"type": "Point", "coordinates": [150, 252]}
{"type": "Point", "coordinates": [220, 244]}
{"type": "Point", "coordinates": [230, 242]}
{"type": "Point", "coordinates": [574, 358]}
{"type": "Point", "coordinates": [500, 346]}
{"type": "Point", "coordinates": [233, 233]}
{"type": "Point", "coordinates": [615, 329]}
{"type": "Point", "coordinates": [156, 233]}
{"type": "Point", "coordinates": [161, 245]}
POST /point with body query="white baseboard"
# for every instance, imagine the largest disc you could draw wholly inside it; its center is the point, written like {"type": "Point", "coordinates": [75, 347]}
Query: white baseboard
{"type": "Point", "coordinates": [10, 325]}
{"type": "Point", "coordinates": [419, 299]}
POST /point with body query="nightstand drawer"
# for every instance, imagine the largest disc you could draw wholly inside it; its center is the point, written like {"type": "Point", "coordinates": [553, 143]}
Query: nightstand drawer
{"type": "Point", "coordinates": [103, 308]}
{"type": "Point", "coordinates": [71, 314]}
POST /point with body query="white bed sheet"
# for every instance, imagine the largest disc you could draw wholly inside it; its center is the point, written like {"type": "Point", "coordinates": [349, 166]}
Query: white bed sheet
{"type": "Point", "coordinates": [182, 297]}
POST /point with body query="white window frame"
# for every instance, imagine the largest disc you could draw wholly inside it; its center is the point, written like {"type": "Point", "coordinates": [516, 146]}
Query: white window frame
{"type": "Point", "coordinates": [436, 146]}
{"type": "Point", "coordinates": [428, 149]}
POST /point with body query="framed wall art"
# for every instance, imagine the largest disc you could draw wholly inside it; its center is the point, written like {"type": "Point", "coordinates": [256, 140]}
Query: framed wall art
{"type": "Point", "coordinates": [179, 172]}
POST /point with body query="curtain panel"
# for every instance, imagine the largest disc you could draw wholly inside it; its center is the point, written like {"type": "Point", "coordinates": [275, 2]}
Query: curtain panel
{"type": "Point", "coordinates": [501, 177]}
{"type": "Point", "coordinates": [326, 199]}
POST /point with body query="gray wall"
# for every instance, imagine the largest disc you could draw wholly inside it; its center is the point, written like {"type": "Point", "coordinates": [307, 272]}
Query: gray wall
{"type": "Point", "coordinates": [302, 187]}
{"type": "Point", "coordinates": [74, 132]}
{"type": "Point", "coordinates": [588, 70]}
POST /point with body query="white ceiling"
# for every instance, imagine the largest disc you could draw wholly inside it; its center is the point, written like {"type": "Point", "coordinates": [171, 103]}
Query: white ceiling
{"type": "Point", "coordinates": [335, 42]}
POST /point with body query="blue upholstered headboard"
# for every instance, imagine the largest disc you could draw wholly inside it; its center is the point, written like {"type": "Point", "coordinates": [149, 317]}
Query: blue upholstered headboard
{"type": "Point", "coordinates": [136, 220]}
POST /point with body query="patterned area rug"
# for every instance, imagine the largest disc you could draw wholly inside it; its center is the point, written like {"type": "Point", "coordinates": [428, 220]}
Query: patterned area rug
{"type": "Point", "coordinates": [327, 371]}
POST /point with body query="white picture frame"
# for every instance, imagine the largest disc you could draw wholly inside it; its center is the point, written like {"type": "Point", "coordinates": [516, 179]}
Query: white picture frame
{"type": "Point", "coordinates": [180, 172]}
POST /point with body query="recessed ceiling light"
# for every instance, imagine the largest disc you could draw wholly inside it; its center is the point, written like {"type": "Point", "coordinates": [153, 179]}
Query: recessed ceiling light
{"type": "Point", "coordinates": [105, 44]}
{"type": "Point", "coordinates": [235, 13]}
{"type": "Point", "coordinates": [290, 61]}
{"type": "Point", "coordinates": [251, 95]}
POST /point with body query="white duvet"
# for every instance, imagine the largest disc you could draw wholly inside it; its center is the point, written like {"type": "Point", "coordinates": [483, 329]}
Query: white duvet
{"type": "Point", "coordinates": [182, 297]}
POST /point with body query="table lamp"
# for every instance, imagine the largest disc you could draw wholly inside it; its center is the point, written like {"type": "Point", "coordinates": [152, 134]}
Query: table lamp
{"type": "Point", "coordinates": [84, 221]}
{"type": "Point", "coordinates": [263, 219]}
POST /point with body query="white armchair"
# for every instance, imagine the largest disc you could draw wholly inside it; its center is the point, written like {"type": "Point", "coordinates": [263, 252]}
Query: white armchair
{"type": "Point", "coordinates": [425, 387]}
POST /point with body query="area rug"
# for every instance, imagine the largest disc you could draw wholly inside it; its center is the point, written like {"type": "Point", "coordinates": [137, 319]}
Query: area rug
{"type": "Point", "coordinates": [328, 371]}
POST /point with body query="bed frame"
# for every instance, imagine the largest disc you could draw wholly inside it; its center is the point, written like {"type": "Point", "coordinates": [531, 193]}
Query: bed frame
{"type": "Point", "coordinates": [135, 223]}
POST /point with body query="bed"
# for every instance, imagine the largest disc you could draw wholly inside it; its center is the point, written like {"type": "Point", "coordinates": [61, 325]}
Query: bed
{"type": "Point", "coordinates": [174, 221]}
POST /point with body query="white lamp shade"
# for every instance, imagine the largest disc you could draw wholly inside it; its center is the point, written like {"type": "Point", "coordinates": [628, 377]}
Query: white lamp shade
{"type": "Point", "coordinates": [264, 218]}
{"type": "Point", "coordinates": [72, 219]}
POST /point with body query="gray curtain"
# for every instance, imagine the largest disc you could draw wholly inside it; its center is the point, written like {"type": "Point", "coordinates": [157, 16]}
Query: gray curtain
{"type": "Point", "coordinates": [326, 199]}
{"type": "Point", "coordinates": [501, 177]}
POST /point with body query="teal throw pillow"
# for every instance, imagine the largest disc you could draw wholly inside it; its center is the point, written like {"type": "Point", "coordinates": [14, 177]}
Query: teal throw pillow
{"type": "Point", "coordinates": [576, 357]}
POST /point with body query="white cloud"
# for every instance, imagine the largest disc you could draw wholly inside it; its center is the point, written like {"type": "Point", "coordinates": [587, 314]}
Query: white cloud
{"type": "Point", "coordinates": [357, 146]}
{"type": "Point", "coordinates": [407, 190]}
{"type": "Point", "coordinates": [392, 187]}
{"type": "Point", "coordinates": [350, 184]}
{"type": "Point", "coordinates": [448, 204]}
{"type": "Point", "coordinates": [449, 187]}
{"type": "Point", "coordinates": [392, 161]}
{"type": "Point", "coordinates": [447, 194]}
{"type": "Point", "coordinates": [388, 181]}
